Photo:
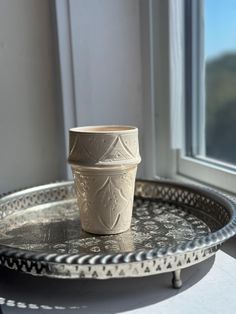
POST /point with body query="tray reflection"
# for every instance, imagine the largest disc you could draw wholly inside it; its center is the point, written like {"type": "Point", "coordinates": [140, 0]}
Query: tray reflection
{"type": "Point", "coordinates": [55, 227]}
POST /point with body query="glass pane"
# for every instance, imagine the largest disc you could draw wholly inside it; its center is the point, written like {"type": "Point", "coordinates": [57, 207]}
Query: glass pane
{"type": "Point", "coordinates": [220, 54]}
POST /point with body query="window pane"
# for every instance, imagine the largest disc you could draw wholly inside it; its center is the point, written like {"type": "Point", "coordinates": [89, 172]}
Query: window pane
{"type": "Point", "coordinates": [220, 58]}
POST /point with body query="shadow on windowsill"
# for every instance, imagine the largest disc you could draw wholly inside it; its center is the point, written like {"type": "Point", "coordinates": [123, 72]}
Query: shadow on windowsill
{"type": "Point", "coordinates": [92, 296]}
{"type": "Point", "coordinates": [229, 247]}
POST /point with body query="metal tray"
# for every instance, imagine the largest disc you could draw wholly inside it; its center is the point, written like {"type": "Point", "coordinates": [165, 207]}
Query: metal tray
{"type": "Point", "coordinates": [174, 226]}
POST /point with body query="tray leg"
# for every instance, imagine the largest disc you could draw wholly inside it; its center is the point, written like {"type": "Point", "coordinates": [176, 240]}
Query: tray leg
{"type": "Point", "coordinates": [176, 280]}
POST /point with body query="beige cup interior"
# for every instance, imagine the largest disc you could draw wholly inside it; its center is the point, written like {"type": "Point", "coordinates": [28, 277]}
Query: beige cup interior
{"type": "Point", "coordinates": [104, 129]}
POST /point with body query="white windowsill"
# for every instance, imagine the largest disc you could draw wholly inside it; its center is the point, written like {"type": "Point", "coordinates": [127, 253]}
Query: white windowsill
{"type": "Point", "coordinates": [206, 174]}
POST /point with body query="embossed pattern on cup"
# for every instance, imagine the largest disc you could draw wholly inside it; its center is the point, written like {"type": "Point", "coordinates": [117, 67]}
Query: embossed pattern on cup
{"type": "Point", "coordinates": [104, 163]}
{"type": "Point", "coordinates": [104, 148]}
{"type": "Point", "coordinates": [105, 199]}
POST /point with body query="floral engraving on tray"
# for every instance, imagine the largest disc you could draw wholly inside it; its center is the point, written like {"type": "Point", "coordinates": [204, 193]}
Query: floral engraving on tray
{"type": "Point", "coordinates": [43, 230]}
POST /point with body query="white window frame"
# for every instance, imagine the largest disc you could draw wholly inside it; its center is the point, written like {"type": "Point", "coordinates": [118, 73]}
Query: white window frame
{"type": "Point", "coordinates": [168, 55]}
{"type": "Point", "coordinates": [202, 169]}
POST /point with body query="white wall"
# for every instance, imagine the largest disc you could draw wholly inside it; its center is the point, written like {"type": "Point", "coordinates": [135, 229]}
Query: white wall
{"type": "Point", "coordinates": [106, 38]}
{"type": "Point", "coordinates": [31, 138]}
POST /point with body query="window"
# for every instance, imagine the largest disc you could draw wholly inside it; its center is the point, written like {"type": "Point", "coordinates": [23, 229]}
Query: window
{"type": "Point", "coordinates": [182, 61]}
{"type": "Point", "coordinates": [220, 69]}
{"type": "Point", "coordinates": [209, 154]}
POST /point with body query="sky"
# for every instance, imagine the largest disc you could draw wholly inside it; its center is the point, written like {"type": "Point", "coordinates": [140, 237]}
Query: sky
{"type": "Point", "coordinates": [220, 27]}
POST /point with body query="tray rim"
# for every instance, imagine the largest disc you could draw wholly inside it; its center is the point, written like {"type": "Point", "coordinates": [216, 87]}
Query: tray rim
{"type": "Point", "coordinates": [214, 239]}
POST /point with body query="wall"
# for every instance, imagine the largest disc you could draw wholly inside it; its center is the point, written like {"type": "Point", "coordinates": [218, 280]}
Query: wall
{"type": "Point", "coordinates": [31, 137]}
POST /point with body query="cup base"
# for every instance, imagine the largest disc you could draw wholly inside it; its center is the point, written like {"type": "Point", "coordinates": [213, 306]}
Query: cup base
{"type": "Point", "coordinates": [97, 232]}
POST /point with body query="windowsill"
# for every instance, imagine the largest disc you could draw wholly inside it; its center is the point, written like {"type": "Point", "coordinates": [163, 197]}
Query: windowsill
{"type": "Point", "coordinates": [191, 181]}
{"type": "Point", "coordinates": [200, 170]}
{"type": "Point", "coordinates": [185, 179]}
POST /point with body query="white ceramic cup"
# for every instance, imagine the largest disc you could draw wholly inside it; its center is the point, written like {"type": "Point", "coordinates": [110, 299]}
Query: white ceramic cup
{"type": "Point", "coordinates": [104, 163]}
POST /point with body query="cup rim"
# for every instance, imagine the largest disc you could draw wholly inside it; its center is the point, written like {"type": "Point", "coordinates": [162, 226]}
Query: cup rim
{"type": "Point", "coordinates": [103, 129]}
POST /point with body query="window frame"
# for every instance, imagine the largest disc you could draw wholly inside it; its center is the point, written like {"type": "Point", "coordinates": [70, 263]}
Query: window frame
{"type": "Point", "coordinates": [185, 163]}
{"type": "Point", "coordinates": [192, 163]}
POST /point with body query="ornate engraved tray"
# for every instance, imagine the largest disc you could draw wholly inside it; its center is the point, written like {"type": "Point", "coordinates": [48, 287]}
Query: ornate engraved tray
{"type": "Point", "coordinates": [174, 226]}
